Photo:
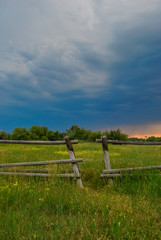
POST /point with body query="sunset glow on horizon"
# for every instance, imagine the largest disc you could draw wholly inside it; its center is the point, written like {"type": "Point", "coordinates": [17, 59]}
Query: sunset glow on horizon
{"type": "Point", "coordinates": [143, 130]}
{"type": "Point", "coordinates": [144, 136]}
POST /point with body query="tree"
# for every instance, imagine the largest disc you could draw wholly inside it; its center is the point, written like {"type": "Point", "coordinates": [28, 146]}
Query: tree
{"type": "Point", "coordinates": [4, 135]}
{"type": "Point", "coordinates": [74, 132]}
{"type": "Point", "coordinates": [93, 136]}
{"type": "Point", "coordinates": [20, 133]}
{"type": "Point", "coordinates": [116, 135]}
{"type": "Point", "coordinates": [153, 139]}
{"type": "Point", "coordinates": [38, 133]}
{"type": "Point", "coordinates": [52, 136]}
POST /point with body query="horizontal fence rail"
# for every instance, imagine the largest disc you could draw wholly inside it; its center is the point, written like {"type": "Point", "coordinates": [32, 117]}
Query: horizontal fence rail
{"type": "Point", "coordinates": [38, 175]}
{"type": "Point", "coordinates": [26, 170]}
{"type": "Point", "coordinates": [121, 175]}
{"type": "Point", "coordinates": [41, 163]}
{"type": "Point", "coordinates": [131, 169]}
{"type": "Point", "coordinates": [37, 142]}
{"type": "Point", "coordinates": [129, 142]}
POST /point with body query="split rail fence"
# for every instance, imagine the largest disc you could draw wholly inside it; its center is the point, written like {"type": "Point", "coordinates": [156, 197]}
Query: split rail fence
{"type": "Point", "coordinates": [111, 173]}
{"type": "Point", "coordinates": [108, 172]}
{"type": "Point", "coordinates": [44, 173]}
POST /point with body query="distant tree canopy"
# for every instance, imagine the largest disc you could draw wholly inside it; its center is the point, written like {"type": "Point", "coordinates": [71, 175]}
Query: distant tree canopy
{"type": "Point", "coordinates": [149, 139]}
{"type": "Point", "coordinates": [20, 133]}
{"type": "Point", "coordinates": [4, 135]}
{"type": "Point", "coordinates": [75, 132]}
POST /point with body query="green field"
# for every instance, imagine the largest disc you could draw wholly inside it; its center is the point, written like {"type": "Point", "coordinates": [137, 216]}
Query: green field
{"type": "Point", "coordinates": [54, 208]}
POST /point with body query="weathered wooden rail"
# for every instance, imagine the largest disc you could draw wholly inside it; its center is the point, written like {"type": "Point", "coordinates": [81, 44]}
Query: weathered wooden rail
{"type": "Point", "coordinates": [111, 173]}
{"type": "Point", "coordinates": [38, 142]}
{"type": "Point", "coordinates": [31, 172]}
{"type": "Point", "coordinates": [129, 142]}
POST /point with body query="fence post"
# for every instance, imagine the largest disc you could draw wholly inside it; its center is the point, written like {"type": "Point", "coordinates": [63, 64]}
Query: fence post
{"type": "Point", "coordinates": [106, 156]}
{"type": "Point", "coordinates": [72, 157]}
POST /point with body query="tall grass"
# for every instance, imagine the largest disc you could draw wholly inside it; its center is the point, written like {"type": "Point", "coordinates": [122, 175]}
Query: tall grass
{"type": "Point", "coordinates": [34, 208]}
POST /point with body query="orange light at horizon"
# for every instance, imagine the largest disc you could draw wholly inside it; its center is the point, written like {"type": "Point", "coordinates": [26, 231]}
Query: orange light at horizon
{"type": "Point", "coordinates": [144, 135]}
{"type": "Point", "coordinates": [143, 130]}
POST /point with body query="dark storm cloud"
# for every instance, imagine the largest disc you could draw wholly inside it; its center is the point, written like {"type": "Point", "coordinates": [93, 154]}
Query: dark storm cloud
{"type": "Point", "coordinates": [94, 65]}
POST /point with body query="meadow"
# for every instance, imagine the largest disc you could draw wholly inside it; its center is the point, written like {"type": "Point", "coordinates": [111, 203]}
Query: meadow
{"type": "Point", "coordinates": [54, 208]}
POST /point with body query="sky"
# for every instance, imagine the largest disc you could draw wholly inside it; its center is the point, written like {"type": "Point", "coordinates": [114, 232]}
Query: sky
{"type": "Point", "coordinates": [94, 63]}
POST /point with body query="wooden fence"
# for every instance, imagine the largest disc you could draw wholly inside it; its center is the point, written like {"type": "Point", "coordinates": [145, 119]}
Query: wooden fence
{"type": "Point", "coordinates": [44, 173]}
{"type": "Point", "coordinates": [108, 172]}
{"type": "Point", "coordinates": [111, 173]}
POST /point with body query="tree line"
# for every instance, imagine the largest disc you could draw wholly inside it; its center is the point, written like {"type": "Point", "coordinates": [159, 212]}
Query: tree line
{"type": "Point", "coordinates": [75, 132]}
{"type": "Point", "coordinates": [148, 139]}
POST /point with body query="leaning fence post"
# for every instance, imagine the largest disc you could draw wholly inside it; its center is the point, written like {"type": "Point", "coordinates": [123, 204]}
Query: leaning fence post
{"type": "Point", "coordinates": [72, 157]}
{"type": "Point", "coordinates": [106, 156]}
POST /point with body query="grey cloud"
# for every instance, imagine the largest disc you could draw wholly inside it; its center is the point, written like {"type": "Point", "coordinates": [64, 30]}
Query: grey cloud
{"type": "Point", "coordinates": [108, 51]}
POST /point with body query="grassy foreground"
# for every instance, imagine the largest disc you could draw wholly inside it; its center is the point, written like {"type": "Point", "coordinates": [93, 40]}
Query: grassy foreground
{"type": "Point", "coordinates": [34, 208]}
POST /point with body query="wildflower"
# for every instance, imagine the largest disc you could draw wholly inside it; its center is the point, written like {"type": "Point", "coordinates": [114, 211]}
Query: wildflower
{"type": "Point", "coordinates": [41, 199]}
{"type": "Point", "coordinates": [15, 184]}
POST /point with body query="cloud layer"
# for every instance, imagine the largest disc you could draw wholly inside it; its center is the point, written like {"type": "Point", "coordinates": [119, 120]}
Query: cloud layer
{"type": "Point", "coordinates": [94, 63]}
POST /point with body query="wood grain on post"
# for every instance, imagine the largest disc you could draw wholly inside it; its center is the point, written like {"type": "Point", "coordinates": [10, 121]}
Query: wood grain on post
{"type": "Point", "coordinates": [106, 156]}
{"type": "Point", "coordinates": [74, 164]}
{"type": "Point", "coordinates": [105, 153]}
